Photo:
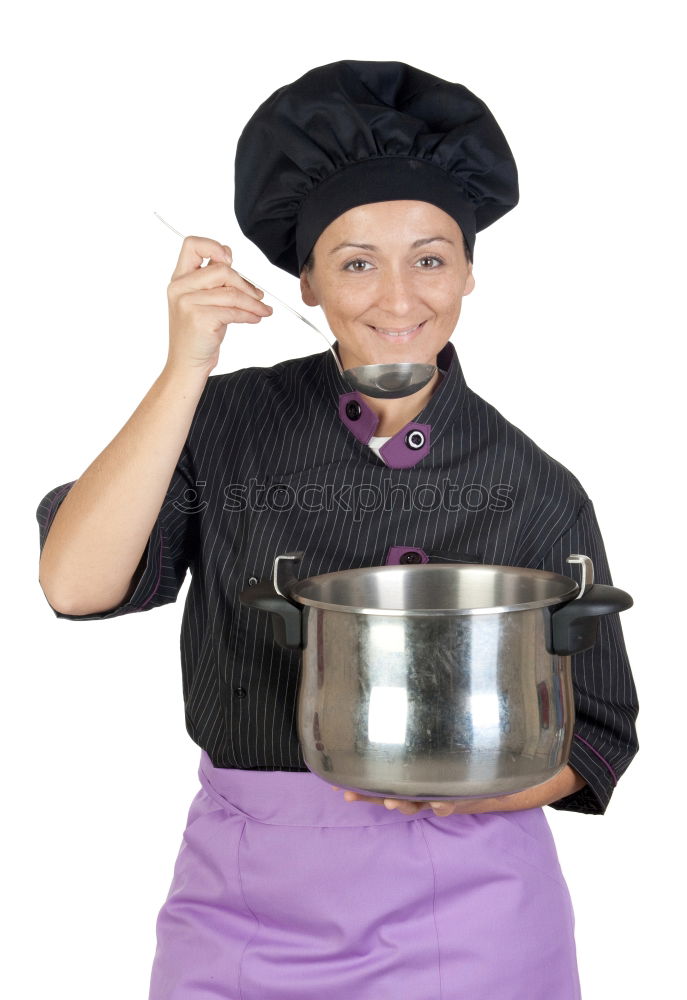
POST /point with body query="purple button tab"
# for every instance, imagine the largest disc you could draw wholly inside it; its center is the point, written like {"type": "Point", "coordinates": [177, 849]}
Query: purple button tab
{"type": "Point", "coordinates": [366, 424]}
{"type": "Point", "coordinates": [406, 448]}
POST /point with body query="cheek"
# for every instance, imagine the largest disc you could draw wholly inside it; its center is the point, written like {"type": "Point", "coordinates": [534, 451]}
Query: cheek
{"type": "Point", "coordinates": [447, 294]}
{"type": "Point", "coordinates": [449, 304]}
{"type": "Point", "coordinates": [348, 303]}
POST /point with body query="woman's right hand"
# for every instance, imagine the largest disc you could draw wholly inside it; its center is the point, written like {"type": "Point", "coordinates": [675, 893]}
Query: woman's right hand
{"type": "Point", "coordinates": [203, 301]}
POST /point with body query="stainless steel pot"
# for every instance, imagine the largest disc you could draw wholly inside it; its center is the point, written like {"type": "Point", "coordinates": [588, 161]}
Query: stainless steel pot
{"type": "Point", "coordinates": [433, 681]}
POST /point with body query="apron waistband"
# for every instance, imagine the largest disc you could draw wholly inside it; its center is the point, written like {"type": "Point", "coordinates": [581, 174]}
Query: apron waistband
{"type": "Point", "coordinates": [292, 798]}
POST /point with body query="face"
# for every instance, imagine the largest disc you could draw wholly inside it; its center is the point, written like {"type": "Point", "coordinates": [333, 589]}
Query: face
{"type": "Point", "coordinates": [390, 277]}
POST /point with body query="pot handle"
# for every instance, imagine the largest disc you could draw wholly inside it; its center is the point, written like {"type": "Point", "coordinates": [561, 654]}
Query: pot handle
{"type": "Point", "coordinates": [272, 596]}
{"type": "Point", "coordinates": [573, 626]}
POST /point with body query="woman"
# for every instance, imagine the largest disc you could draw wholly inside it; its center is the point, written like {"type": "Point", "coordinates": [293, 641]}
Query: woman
{"type": "Point", "coordinates": [368, 181]}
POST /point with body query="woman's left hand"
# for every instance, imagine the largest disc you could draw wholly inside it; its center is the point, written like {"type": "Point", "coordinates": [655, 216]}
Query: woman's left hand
{"type": "Point", "coordinates": [565, 783]}
{"type": "Point", "coordinates": [445, 808]}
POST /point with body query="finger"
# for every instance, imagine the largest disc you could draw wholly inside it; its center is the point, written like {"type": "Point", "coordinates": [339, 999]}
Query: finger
{"type": "Point", "coordinates": [194, 250]}
{"type": "Point", "coordinates": [443, 808]}
{"type": "Point", "coordinates": [226, 295]}
{"type": "Point", "coordinates": [232, 315]}
{"type": "Point", "coordinates": [258, 291]}
{"type": "Point", "coordinates": [402, 804]}
{"type": "Point", "coordinates": [356, 797]}
{"type": "Point", "coordinates": [405, 806]}
{"type": "Point", "coordinates": [219, 274]}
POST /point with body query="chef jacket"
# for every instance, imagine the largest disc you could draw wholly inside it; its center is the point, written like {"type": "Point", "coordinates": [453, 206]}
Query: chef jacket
{"type": "Point", "coordinates": [276, 461]}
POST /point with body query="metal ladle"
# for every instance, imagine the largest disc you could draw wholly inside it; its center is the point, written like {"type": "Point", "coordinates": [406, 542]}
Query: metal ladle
{"type": "Point", "coordinates": [384, 381]}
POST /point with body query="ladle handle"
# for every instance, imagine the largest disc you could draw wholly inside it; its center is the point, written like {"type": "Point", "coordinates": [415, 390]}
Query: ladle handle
{"type": "Point", "coordinates": [312, 325]}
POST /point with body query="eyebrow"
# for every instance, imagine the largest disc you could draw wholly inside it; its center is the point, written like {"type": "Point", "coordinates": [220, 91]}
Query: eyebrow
{"type": "Point", "coordinates": [413, 246]}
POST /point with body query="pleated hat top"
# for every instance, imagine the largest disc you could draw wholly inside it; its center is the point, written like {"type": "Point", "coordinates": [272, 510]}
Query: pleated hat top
{"type": "Point", "coordinates": [352, 132]}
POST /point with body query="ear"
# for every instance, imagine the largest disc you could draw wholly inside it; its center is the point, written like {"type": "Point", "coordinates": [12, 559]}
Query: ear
{"type": "Point", "coordinates": [469, 282]}
{"type": "Point", "coordinates": [307, 293]}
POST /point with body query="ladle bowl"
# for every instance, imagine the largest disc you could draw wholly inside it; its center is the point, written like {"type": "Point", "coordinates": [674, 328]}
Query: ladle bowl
{"type": "Point", "coordinates": [390, 381]}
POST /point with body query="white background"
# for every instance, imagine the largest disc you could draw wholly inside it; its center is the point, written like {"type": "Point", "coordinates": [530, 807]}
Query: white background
{"type": "Point", "coordinates": [574, 332]}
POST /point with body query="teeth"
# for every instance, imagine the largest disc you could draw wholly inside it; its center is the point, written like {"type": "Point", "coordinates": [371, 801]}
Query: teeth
{"type": "Point", "coordinates": [398, 333]}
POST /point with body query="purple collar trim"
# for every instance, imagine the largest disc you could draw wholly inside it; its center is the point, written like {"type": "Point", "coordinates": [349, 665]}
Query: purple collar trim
{"type": "Point", "coordinates": [408, 447]}
{"type": "Point", "coordinates": [362, 420]}
{"type": "Point", "coordinates": [413, 442]}
{"type": "Point", "coordinates": [402, 451]}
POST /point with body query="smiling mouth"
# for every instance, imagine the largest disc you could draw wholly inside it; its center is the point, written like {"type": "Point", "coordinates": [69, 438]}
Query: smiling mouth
{"type": "Point", "coordinates": [399, 333]}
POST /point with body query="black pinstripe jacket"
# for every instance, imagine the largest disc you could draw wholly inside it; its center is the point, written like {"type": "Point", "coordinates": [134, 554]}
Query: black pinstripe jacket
{"type": "Point", "coordinates": [277, 460]}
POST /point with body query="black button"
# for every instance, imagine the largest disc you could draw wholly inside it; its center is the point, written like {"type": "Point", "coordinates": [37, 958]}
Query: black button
{"type": "Point", "coordinates": [252, 580]}
{"type": "Point", "coordinates": [415, 439]}
{"type": "Point", "coordinates": [240, 692]}
{"type": "Point", "coordinates": [411, 557]}
{"type": "Point", "coordinates": [353, 409]}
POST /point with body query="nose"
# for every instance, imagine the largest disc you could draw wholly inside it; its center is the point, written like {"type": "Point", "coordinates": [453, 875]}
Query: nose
{"type": "Point", "coordinates": [396, 297]}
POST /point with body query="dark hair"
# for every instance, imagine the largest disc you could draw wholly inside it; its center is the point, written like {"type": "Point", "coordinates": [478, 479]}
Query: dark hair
{"type": "Point", "coordinates": [310, 261]}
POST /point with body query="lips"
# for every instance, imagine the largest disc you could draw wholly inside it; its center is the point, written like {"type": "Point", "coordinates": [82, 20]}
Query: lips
{"type": "Point", "coordinates": [399, 334]}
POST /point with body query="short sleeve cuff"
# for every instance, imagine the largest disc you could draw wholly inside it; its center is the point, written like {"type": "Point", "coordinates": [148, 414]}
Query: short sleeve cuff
{"type": "Point", "coordinates": [145, 591]}
{"type": "Point", "coordinates": [148, 575]}
{"type": "Point", "coordinates": [600, 777]}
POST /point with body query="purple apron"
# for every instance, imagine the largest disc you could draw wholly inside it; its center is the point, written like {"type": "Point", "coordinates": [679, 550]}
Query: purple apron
{"type": "Point", "coordinates": [282, 890]}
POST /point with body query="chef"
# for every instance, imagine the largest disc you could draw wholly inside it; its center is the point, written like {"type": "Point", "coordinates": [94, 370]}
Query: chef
{"type": "Point", "coordinates": [366, 181]}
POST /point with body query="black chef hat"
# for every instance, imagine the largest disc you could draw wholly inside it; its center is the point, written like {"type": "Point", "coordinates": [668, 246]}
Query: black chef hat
{"type": "Point", "coordinates": [350, 133]}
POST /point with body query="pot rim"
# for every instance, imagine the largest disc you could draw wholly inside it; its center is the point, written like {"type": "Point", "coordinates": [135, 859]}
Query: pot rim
{"type": "Point", "coordinates": [569, 593]}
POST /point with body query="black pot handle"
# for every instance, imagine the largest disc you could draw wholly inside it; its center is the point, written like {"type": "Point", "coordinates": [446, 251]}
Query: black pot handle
{"type": "Point", "coordinates": [573, 627]}
{"type": "Point", "coordinates": [271, 596]}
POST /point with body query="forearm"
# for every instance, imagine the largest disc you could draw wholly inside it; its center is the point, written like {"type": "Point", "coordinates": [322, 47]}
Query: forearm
{"type": "Point", "coordinates": [565, 783]}
{"type": "Point", "coordinates": [100, 531]}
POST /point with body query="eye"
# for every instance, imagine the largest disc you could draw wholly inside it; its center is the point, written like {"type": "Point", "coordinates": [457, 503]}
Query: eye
{"type": "Point", "coordinates": [429, 262]}
{"type": "Point", "coordinates": [358, 260]}
{"type": "Point", "coordinates": [437, 261]}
